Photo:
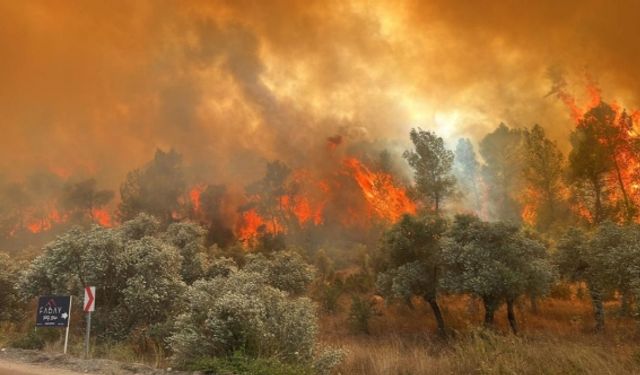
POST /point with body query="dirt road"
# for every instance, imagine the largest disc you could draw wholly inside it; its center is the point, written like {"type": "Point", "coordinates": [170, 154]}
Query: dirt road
{"type": "Point", "coordinates": [15, 368]}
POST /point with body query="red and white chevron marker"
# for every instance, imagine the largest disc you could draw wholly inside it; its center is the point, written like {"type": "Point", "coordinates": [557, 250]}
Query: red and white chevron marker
{"type": "Point", "coordinates": [89, 298]}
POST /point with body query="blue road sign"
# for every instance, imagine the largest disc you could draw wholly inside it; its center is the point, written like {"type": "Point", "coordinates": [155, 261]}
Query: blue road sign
{"type": "Point", "coordinates": [53, 311]}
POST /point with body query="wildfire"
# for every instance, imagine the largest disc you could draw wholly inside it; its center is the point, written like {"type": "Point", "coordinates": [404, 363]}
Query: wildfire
{"type": "Point", "coordinates": [250, 223]}
{"type": "Point", "coordinates": [529, 214]}
{"type": "Point", "coordinates": [45, 223]}
{"type": "Point", "coordinates": [306, 204]}
{"type": "Point", "coordinates": [620, 183]}
{"type": "Point", "coordinates": [194, 196]}
{"type": "Point", "coordinates": [385, 199]}
{"type": "Point", "coordinates": [102, 217]}
{"type": "Point", "coordinates": [302, 209]}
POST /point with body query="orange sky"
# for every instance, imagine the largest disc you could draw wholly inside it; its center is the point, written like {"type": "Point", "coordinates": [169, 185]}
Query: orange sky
{"type": "Point", "coordinates": [92, 88]}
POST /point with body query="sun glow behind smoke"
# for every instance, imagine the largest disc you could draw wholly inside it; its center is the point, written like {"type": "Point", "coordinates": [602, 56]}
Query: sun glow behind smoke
{"type": "Point", "coordinates": [232, 84]}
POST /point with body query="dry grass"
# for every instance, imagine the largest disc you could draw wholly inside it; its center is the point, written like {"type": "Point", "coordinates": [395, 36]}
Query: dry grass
{"type": "Point", "coordinates": [557, 340]}
{"type": "Point", "coordinates": [484, 352]}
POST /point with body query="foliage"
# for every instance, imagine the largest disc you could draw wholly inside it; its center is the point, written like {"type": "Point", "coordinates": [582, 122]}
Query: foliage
{"type": "Point", "coordinates": [496, 262]}
{"type": "Point", "coordinates": [137, 273]}
{"type": "Point", "coordinates": [243, 312]}
{"type": "Point", "coordinates": [410, 260]}
{"type": "Point", "coordinates": [9, 299]}
{"type": "Point", "coordinates": [327, 361]}
{"type": "Point", "coordinates": [82, 198]}
{"type": "Point", "coordinates": [543, 172]}
{"type": "Point", "coordinates": [360, 313]}
{"type": "Point", "coordinates": [330, 294]}
{"type": "Point", "coordinates": [432, 164]}
{"type": "Point", "coordinates": [189, 238]}
{"type": "Point", "coordinates": [324, 264]}
{"type": "Point", "coordinates": [241, 364]}
{"type": "Point", "coordinates": [154, 189]}
{"type": "Point", "coordinates": [607, 260]}
{"type": "Point", "coordinates": [32, 341]}
{"type": "Point", "coordinates": [284, 270]}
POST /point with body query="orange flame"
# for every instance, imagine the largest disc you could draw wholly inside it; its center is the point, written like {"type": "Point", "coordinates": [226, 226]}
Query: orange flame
{"type": "Point", "coordinates": [385, 199]}
{"type": "Point", "coordinates": [102, 217]}
{"type": "Point", "coordinates": [194, 196]}
{"type": "Point", "coordinates": [45, 223]}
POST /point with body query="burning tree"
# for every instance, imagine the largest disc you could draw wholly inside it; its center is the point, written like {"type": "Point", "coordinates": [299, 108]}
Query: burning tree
{"type": "Point", "coordinates": [84, 202]}
{"type": "Point", "coordinates": [155, 189]}
{"type": "Point", "coordinates": [543, 170]}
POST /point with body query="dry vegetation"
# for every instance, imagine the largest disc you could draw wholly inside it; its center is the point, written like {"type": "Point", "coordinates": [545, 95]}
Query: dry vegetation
{"type": "Point", "coordinates": [559, 339]}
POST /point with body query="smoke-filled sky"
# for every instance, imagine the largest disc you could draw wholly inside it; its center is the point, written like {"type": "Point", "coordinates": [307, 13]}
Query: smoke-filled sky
{"type": "Point", "coordinates": [94, 87]}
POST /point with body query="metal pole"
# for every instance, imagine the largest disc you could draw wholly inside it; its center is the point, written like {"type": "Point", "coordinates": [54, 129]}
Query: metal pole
{"type": "Point", "coordinates": [66, 336]}
{"type": "Point", "coordinates": [87, 334]}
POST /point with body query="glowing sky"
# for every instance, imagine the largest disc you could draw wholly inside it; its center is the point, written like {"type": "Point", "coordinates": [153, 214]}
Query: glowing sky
{"type": "Point", "coordinates": [92, 88]}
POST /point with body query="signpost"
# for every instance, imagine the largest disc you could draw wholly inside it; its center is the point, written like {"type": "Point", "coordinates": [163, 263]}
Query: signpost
{"type": "Point", "coordinates": [89, 306]}
{"type": "Point", "coordinates": [55, 311]}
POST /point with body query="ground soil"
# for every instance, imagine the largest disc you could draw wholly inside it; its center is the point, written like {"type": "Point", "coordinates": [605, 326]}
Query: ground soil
{"type": "Point", "coordinates": [32, 362]}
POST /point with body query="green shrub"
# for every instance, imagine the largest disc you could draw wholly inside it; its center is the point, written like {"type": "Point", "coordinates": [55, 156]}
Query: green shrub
{"type": "Point", "coordinates": [330, 295]}
{"type": "Point", "coordinates": [243, 312]}
{"type": "Point", "coordinates": [360, 282]}
{"type": "Point", "coordinates": [32, 340]}
{"type": "Point", "coordinates": [360, 314]}
{"type": "Point", "coordinates": [284, 270]}
{"type": "Point", "coordinates": [240, 364]}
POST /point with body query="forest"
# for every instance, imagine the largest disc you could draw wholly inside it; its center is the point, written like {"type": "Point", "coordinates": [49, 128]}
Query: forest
{"type": "Point", "coordinates": [320, 187]}
{"type": "Point", "coordinates": [194, 276]}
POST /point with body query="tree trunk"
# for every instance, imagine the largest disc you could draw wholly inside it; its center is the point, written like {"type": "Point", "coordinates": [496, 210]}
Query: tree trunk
{"type": "Point", "coordinates": [489, 311]}
{"type": "Point", "coordinates": [598, 308]}
{"type": "Point", "coordinates": [627, 205]}
{"type": "Point", "coordinates": [433, 302]}
{"type": "Point", "coordinates": [511, 315]}
{"type": "Point", "coordinates": [597, 214]}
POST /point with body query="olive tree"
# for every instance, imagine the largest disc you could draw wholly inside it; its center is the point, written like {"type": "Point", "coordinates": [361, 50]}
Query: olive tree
{"type": "Point", "coordinates": [606, 260]}
{"type": "Point", "coordinates": [496, 262]}
{"type": "Point", "coordinates": [136, 273]}
{"type": "Point", "coordinates": [284, 270]}
{"type": "Point", "coordinates": [410, 263]}
{"type": "Point", "coordinates": [243, 312]}
{"type": "Point", "coordinates": [9, 300]}
{"type": "Point", "coordinates": [189, 239]}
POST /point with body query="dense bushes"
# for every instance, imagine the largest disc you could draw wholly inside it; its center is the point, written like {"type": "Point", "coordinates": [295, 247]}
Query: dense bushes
{"type": "Point", "coordinates": [607, 261]}
{"type": "Point", "coordinates": [9, 300]}
{"type": "Point", "coordinates": [250, 313]}
{"type": "Point", "coordinates": [243, 313]}
{"type": "Point", "coordinates": [496, 262]}
{"type": "Point", "coordinates": [137, 274]}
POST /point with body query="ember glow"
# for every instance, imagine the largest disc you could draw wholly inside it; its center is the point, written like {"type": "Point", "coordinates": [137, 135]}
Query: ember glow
{"type": "Point", "coordinates": [385, 199]}
{"type": "Point", "coordinates": [91, 90]}
{"type": "Point", "coordinates": [377, 196]}
{"type": "Point", "coordinates": [51, 218]}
